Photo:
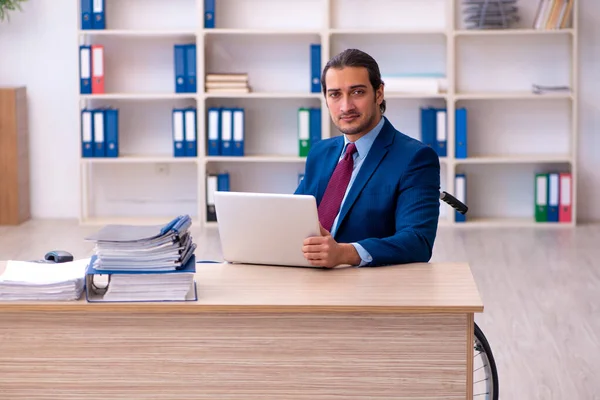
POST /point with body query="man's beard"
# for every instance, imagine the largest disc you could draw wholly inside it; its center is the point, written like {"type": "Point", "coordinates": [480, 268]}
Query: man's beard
{"type": "Point", "coordinates": [357, 129]}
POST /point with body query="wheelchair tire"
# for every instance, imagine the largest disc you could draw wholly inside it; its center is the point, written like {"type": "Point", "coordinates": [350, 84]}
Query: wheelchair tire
{"type": "Point", "coordinates": [487, 350]}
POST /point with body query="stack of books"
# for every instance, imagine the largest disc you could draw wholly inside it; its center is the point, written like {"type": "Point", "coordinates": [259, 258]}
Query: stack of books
{"type": "Point", "coordinates": [32, 281]}
{"type": "Point", "coordinates": [143, 263]}
{"type": "Point", "coordinates": [227, 83]}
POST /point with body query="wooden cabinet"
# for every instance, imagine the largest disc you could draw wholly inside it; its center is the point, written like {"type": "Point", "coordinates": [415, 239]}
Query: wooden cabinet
{"type": "Point", "coordinates": [14, 156]}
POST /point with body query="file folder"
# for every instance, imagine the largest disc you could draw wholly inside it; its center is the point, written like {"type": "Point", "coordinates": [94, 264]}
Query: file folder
{"type": "Point", "coordinates": [180, 68]}
{"type": "Point", "coordinates": [441, 132]}
{"type": "Point", "coordinates": [99, 21]}
{"type": "Point", "coordinates": [87, 134]}
{"type": "Point", "coordinates": [223, 182]}
{"type": "Point", "coordinates": [111, 132]}
{"type": "Point", "coordinates": [190, 73]}
{"type": "Point", "coordinates": [566, 193]}
{"type": "Point", "coordinates": [303, 132]}
{"type": "Point", "coordinates": [226, 132]}
{"type": "Point", "coordinates": [191, 148]}
{"type": "Point", "coordinates": [97, 69]}
{"type": "Point", "coordinates": [238, 131]}
{"type": "Point", "coordinates": [211, 188]}
{"type": "Point", "coordinates": [428, 122]}
{"type": "Point", "coordinates": [553, 197]}
{"type": "Point", "coordinates": [98, 123]}
{"type": "Point", "coordinates": [214, 129]}
{"type": "Point", "coordinates": [85, 69]}
{"type": "Point", "coordinates": [209, 13]}
{"type": "Point", "coordinates": [460, 148]}
{"type": "Point", "coordinates": [86, 14]}
{"type": "Point", "coordinates": [178, 133]}
{"type": "Point", "coordinates": [315, 68]}
{"type": "Point", "coordinates": [461, 195]}
{"type": "Point", "coordinates": [541, 197]}
{"type": "Point", "coordinates": [314, 126]}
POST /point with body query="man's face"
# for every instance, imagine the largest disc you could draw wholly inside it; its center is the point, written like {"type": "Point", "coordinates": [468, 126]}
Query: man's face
{"type": "Point", "coordinates": [352, 102]}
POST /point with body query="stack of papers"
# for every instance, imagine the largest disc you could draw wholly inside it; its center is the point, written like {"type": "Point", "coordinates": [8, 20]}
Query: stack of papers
{"type": "Point", "coordinates": [25, 280]}
{"type": "Point", "coordinates": [143, 263]}
{"type": "Point", "coordinates": [143, 286]}
{"type": "Point", "coordinates": [143, 248]}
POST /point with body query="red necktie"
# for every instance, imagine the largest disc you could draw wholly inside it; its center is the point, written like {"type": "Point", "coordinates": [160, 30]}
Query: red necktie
{"type": "Point", "coordinates": [336, 188]}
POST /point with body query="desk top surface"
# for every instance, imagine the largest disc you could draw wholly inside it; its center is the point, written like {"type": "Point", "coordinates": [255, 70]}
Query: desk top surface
{"type": "Point", "coordinates": [427, 287]}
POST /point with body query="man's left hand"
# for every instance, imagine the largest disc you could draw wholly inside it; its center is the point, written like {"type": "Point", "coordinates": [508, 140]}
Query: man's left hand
{"type": "Point", "coordinates": [324, 251]}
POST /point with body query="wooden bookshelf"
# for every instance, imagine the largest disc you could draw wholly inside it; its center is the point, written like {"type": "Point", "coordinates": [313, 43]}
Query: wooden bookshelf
{"type": "Point", "coordinates": [512, 132]}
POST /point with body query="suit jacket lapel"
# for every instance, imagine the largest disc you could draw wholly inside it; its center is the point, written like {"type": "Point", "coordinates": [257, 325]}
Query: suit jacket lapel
{"type": "Point", "coordinates": [378, 150]}
{"type": "Point", "coordinates": [332, 156]}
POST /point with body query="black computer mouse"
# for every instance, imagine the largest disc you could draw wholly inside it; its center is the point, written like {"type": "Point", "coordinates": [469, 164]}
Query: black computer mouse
{"type": "Point", "coordinates": [58, 256]}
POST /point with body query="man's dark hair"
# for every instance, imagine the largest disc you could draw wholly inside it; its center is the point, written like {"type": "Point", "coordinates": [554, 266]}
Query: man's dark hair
{"type": "Point", "coordinates": [355, 58]}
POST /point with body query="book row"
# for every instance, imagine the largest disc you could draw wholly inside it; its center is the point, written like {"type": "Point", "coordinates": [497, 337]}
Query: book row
{"type": "Point", "coordinates": [434, 130]}
{"type": "Point", "coordinates": [99, 132]}
{"type": "Point", "coordinates": [553, 193]}
{"type": "Point", "coordinates": [185, 132]}
{"type": "Point", "coordinates": [226, 131]}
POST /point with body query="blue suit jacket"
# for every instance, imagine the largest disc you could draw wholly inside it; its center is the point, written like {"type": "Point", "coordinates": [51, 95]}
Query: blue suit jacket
{"type": "Point", "coordinates": [392, 208]}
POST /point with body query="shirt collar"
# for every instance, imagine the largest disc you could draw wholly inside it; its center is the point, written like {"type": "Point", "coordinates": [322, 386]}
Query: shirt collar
{"type": "Point", "coordinates": [363, 145]}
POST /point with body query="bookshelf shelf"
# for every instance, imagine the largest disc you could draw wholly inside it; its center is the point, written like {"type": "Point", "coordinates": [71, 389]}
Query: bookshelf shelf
{"type": "Point", "coordinates": [140, 159]}
{"type": "Point", "coordinates": [256, 159]}
{"type": "Point", "coordinates": [138, 96]}
{"type": "Point", "coordinates": [388, 32]}
{"type": "Point", "coordinates": [141, 33]}
{"type": "Point", "coordinates": [513, 32]}
{"type": "Point", "coordinates": [515, 159]}
{"type": "Point", "coordinates": [244, 32]}
{"type": "Point", "coordinates": [511, 96]}
{"type": "Point", "coordinates": [263, 95]}
{"type": "Point", "coordinates": [512, 132]}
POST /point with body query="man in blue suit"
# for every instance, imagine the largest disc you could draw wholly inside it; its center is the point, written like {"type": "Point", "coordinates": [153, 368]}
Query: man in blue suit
{"type": "Point", "coordinates": [377, 189]}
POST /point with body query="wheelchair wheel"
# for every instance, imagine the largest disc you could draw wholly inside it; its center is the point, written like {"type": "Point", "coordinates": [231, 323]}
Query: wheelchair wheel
{"type": "Point", "coordinates": [485, 374]}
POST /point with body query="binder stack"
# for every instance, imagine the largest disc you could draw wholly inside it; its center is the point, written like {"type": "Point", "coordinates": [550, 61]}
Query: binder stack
{"type": "Point", "coordinates": [142, 263]}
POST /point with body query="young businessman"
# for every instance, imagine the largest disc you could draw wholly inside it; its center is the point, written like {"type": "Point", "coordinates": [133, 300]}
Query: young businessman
{"type": "Point", "coordinates": [377, 189]}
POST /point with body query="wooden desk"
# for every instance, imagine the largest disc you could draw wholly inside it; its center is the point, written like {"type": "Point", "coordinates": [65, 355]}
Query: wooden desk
{"type": "Point", "coordinates": [256, 332]}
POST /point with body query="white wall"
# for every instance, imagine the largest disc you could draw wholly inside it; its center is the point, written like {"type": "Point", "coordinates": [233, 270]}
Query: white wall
{"type": "Point", "coordinates": [47, 28]}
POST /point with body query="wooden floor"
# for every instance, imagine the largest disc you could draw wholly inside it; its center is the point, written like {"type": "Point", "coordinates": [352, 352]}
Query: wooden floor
{"type": "Point", "coordinates": [541, 291]}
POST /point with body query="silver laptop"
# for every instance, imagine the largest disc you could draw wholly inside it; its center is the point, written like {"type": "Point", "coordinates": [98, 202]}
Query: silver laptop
{"type": "Point", "coordinates": [265, 228]}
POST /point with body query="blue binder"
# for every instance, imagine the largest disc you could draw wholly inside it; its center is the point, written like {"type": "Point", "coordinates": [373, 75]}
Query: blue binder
{"type": "Point", "coordinates": [99, 133]}
{"type": "Point", "coordinates": [209, 13]}
{"type": "Point", "coordinates": [239, 131]}
{"type": "Point", "coordinates": [180, 68]}
{"type": "Point", "coordinates": [441, 125]}
{"type": "Point", "coordinates": [86, 14]}
{"type": "Point", "coordinates": [99, 21]}
{"type": "Point", "coordinates": [85, 69]}
{"type": "Point", "coordinates": [315, 68]}
{"type": "Point", "coordinates": [226, 132]}
{"type": "Point", "coordinates": [314, 125]}
{"type": "Point", "coordinates": [111, 130]}
{"type": "Point", "coordinates": [428, 122]}
{"type": "Point", "coordinates": [87, 133]}
{"type": "Point", "coordinates": [191, 86]}
{"type": "Point", "coordinates": [553, 194]}
{"type": "Point", "coordinates": [191, 133]}
{"type": "Point", "coordinates": [460, 146]}
{"type": "Point", "coordinates": [223, 182]}
{"type": "Point", "coordinates": [214, 131]}
{"type": "Point", "coordinates": [178, 132]}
